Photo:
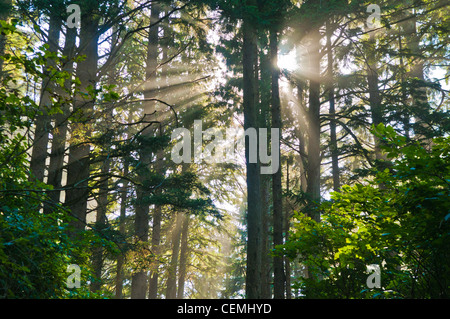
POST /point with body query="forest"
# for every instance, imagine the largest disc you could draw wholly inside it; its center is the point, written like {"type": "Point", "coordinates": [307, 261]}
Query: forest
{"type": "Point", "coordinates": [224, 149]}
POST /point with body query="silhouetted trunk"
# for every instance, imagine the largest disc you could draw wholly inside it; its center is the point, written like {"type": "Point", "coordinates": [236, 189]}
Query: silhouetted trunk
{"type": "Point", "coordinates": [262, 80]}
{"type": "Point", "coordinates": [313, 168]}
{"type": "Point", "coordinates": [254, 221]}
{"type": "Point", "coordinates": [332, 111]}
{"type": "Point", "coordinates": [278, 266]}
{"type": "Point", "coordinates": [266, 264]}
{"type": "Point", "coordinates": [302, 135]}
{"type": "Point", "coordinates": [287, 218]}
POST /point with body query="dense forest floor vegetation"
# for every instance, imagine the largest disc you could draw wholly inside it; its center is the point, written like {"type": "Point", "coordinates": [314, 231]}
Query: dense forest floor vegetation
{"type": "Point", "coordinates": [170, 149]}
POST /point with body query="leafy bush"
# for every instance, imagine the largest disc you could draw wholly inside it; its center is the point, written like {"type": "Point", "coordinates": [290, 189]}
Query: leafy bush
{"type": "Point", "coordinates": [398, 220]}
{"type": "Point", "coordinates": [35, 248]}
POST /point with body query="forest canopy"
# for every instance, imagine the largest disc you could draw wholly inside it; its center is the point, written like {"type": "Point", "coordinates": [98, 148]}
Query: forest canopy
{"type": "Point", "coordinates": [165, 149]}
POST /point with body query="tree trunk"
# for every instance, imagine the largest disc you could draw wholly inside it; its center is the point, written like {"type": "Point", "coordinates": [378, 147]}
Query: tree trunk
{"type": "Point", "coordinates": [262, 79]}
{"type": "Point", "coordinates": [139, 279]}
{"type": "Point", "coordinates": [101, 218]}
{"type": "Point", "coordinates": [330, 89]}
{"type": "Point", "coordinates": [43, 121]}
{"type": "Point", "coordinates": [157, 211]}
{"type": "Point", "coordinates": [374, 93]}
{"type": "Point", "coordinates": [171, 289]}
{"type": "Point", "coordinates": [278, 266]}
{"type": "Point", "coordinates": [100, 223]}
{"type": "Point", "coordinates": [254, 221]}
{"type": "Point", "coordinates": [55, 168]}
{"type": "Point", "coordinates": [266, 267]}
{"type": "Point", "coordinates": [287, 219]}
{"type": "Point", "coordinates": [313, 169]}
{"type": "Point", "coordinates": [183, 257]}
{"type": "Point", "coordinates": [121, 257]}
{"type": "Point", "coordinates": [77, 193]}
{"type": "Point", "coordinates": [302, 135]}
{"type": "Point", "coordinates": [419, 97]}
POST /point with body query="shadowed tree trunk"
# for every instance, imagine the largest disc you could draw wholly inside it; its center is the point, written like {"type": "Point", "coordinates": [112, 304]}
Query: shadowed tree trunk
{"type": "Point", "coordinates": [332, 111]}
{"type": "Point", "coordinates": [287, 218]}
{"type": "Point", "coordinates": [77, 192]}
{"type": "Point", "coordinates": [250, 100]}
{"type": "Point", "coordinates": [59, 133]}
{"type": "Point", "coordinates": [374, 92]}
{"type": "Point", "coordinates": [43, 120]}
{"type": "Point", "coordinates": [313, 168]}
{"type": "Point", "coordinates": [139, 279]}
{"type": "Point", "coordinates": [121, 256]}
{"type": "Point", "coordinates": [278, 266]}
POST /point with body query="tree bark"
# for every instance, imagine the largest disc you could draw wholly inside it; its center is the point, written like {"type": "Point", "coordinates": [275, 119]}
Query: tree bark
{"type": "Point", "coordinates": [419, 97]}
{"type": "Point", "coordinates": [171, 289]}
{"type": "Point", "coordinates": [100, 223]}
{"type": "Point", "coordinates": [183, 257]}
{"type": "Point", "coordinates": [43, 120]}
{"type": "Point", "coordinates": [254, 220]}
{"type": "Point", "coordinates": [374, 93]}
{"type": "Point", "coordinates": [313, 168]}
{"type": "Point", "coordinates": [77, 193]}
{"type": "Point", "coordinates": [139, 279]}
{"type": "Point", "coordinates": [332, 111]}
{"type": "Point", "coordinates": [278, 265]}
{"type": "Point", "coordinates": [55, 168]}
{"type": "Point", "coordinates": [287, 219]}
{"type": "Point", "coordinates": [122, 217]}
{"type": "Point", "coordinates": [266, 265]}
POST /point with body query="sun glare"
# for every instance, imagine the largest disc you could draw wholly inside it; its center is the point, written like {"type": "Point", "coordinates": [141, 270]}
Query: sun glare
{"type": "Point", "coordinates": [288, 61]}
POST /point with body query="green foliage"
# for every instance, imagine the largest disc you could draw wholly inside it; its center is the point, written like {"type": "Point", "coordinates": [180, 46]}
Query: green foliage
{"type": "Point", "coordinates": [398, 220]}
{"type": "Point", "coordinates": [35, 249]}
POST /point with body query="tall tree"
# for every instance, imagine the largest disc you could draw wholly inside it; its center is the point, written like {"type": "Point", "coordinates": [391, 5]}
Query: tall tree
{"type": "Point", "coordinates": [139, 279]}
{"type": "Point", "coordinates": [278, 266]}
{"type": "Point", "coordinates": [184, 251]}
{"type": "Point", "coordinates": [250, 100]}
{"type": "Point", "coordinates": [171, 289]}
{"type": "Point", "coordinates": [78, 169]}
{"type": "Point", "coordinates": [43, 120]}
{"type": "Point", "coordinates": [332, 109]}
{"type": "Point", "coordinates": [59, 132]}
{"type": "Point", "coordinates": [122, 217]}
{"type": "Point", "coordinates": [314, 157]}
{"type": "Point", "coordinates": [374, 91]}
